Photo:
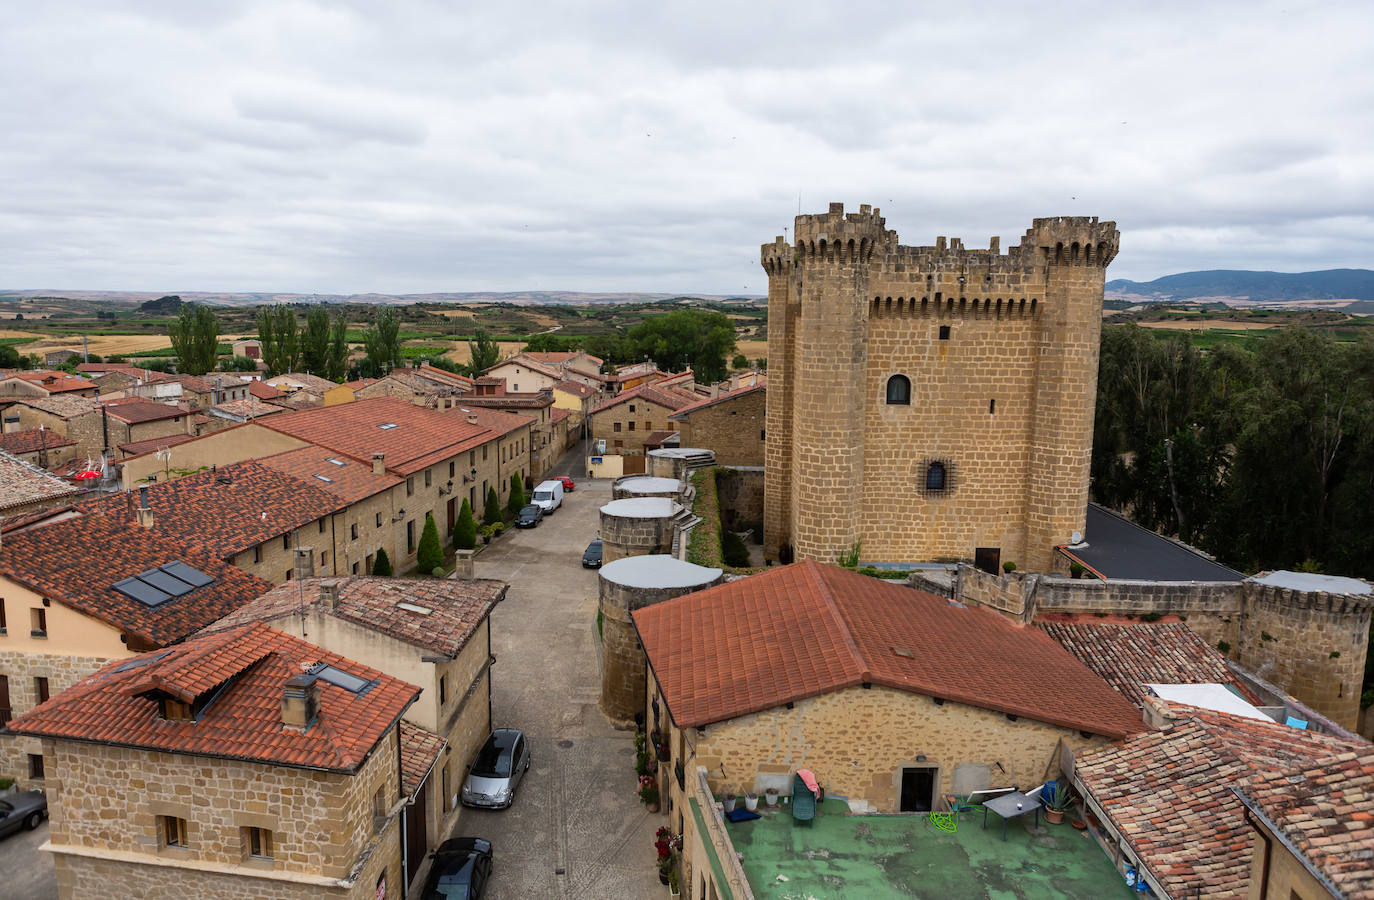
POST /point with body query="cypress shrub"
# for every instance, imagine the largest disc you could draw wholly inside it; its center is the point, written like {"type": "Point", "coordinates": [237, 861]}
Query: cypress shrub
{"type": "Point", "coordinates": [465, 529]}
{"type": "Point", "coordinates": [382, 565]}
{"type": "Point", "coordinates": [431, 553]}
{"type": "Point", "coordinates": [517, 493]}
{"type": "Point", "coordinates": [492, 513]}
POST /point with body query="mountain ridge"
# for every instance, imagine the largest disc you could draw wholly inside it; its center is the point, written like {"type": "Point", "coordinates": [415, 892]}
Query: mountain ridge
{"type": "Point", "coordinates": [1253, 285]}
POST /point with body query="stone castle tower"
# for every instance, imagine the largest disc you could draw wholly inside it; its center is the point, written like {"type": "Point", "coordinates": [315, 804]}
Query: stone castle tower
{"type": "Point", "coordinates": [935, 403]}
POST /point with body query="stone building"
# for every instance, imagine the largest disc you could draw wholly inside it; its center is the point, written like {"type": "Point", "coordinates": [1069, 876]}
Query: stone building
{"type": "Point", "coordinates": [44, 383]}
{"type": "Point", "coordinates": [525, 375]}
{"type": "Point", "coordinates": [432, 632]}
{"type": "Point", "coordinates": [98, 427]}
{"type": "Point", "coordinates": [731, 424]}
{"type": "Point", "coordinates": [72, 598]}
{"type": "Point", "coordinates": [930, 402]}
{"type": "Point", "coordinates": [45, 449]}
{"type": "Point", "coordinates": [24, 487]}
{"type": "Point", "coordinates": [242, 764]}
{"type": "Point", "coordinates": [638, 526]}
{"type": "Point", "coordinates": [892, 697]}
{"type": "Point", "coordinates": [624, 421]}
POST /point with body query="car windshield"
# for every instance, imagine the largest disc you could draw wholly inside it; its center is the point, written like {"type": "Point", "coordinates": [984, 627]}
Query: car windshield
{"type": "Point", "coordinates": [454, 884]}
{"type": "Point", "coordinates": [543, 495]}
{"type": "Point", "coordinates": [529, 510]}
{"type": "Point", "coordinates": [493, 761]}
{"type": "Point", "coordinates": [594, 547]}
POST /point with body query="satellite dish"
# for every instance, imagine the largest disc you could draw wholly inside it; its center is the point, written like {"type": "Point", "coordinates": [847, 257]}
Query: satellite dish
{"type": "Point", "coordinates": [1076, 538]}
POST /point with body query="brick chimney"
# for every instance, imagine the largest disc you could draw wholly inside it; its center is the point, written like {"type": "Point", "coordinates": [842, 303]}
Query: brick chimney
{"type": "Point", "coordinates": [144, 511]}
{"type": "Point", "coordinates": [379, 464]}
{"type": "Point", "coordinates": [300, 702]}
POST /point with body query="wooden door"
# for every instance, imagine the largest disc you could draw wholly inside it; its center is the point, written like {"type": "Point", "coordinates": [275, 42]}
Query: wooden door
{"type": "Point", "coordinates": [417, 833]}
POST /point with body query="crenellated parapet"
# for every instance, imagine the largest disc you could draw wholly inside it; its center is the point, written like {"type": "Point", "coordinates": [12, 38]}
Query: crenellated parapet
{"type": "Point", "coordinates": [1071, 241]}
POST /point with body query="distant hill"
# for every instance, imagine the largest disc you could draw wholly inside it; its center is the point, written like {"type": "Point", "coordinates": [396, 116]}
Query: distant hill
{"type": "Point", "coordinates": [1256, 287]}
{"type": "Point", "coordinates": [514, 298]}
{"type": "Point", "coordinates": [168, 304]}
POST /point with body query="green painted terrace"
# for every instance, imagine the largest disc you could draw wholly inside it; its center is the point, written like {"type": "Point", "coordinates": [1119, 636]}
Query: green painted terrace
{"type": "Point", "coordinates": [872, 857]}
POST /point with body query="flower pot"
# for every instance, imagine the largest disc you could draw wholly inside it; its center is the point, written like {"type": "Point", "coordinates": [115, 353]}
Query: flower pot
{"type": "Point", "coordinates": [729, 802]}
{"type": "Point", "coordinates": [662, 876]}
{"type": "Point", "coordinates": [652, 806]}
{"type": "Point", "coordinates": [1054, 816]}
{"type": "Point", "coordinates": [751, 801]}
{"type": "Point", "coordinates": [1079, 824]}
{"type": "Point", "coordinates": [772, 797]}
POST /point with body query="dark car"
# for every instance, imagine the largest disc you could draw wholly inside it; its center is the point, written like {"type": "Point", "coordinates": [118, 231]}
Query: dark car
{"type": "Point", "coordinates": [26, 809]}
{"type": "Point", "coordinates": [494, 774]}
{"type": "Point", "coordinates": [591, 557]}
{"type": "Point", "coordinates": [529, 516]}
{"type": "Point", "coordinates": [568, 483]}
{"type": "Point", "coordinates": [460, 870]}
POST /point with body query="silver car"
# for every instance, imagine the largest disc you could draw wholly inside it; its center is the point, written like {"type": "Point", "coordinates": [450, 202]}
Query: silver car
{"type": "Point", "coordinates": [496, 772]}
{"type": "Point", "coordinates": [26, 809]}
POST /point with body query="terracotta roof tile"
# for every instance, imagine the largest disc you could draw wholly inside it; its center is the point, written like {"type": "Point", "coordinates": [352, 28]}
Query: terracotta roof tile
{"type": "Point", "coordinates": [62, 407]}
{"type": "Point", "coordinates": [808, 629]}
{"type": "Point", "coordinates": [31, 440]}
{"type": "Point", "coordinates": [576, 387]}
{"type": "Point", "coordinates": [76, 562]}
{"type": "Point", "coordinates": [343, 476]}
{"type": "Point", "coordinates": [669, 398]}
{"type": "Point", "coordinates": [262, 390]}
{"type": "Point", "coordinates": [532, 364]}
{"type": "Point", "coordinates": [1326, 811]}
{"type": "Point", "coordinates": [455, 608]}
{"type": "Point", "coordinates": [138, 448]}
{"type": "Point", "coordinates": [230, 509]}
{"type": "Point", "coordinates": [135, 410]}
{"type": "Point", "coordinates": [292, 381]}
{"type": "Point", "coordinates": [249, 666]}
{"type": "Point", "coordinates": [421, 438]}
{"type": "Point", "coordinates": [54, 382]}
{"type": "Point", "coordinates": [420, 750]}
{"type": "Point", "coordinates": [1131, 656]}
{"type": "Point", "coordinates": [1169, 793]}
{"type": "Point", "coordinates": [712, 401]}
{"type": "Point", "coordinates": [559, 415]}
{"type": "Point", "coordinates": [22, 483]}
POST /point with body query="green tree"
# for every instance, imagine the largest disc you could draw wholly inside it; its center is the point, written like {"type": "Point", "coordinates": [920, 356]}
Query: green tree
{"type": "Point", "coordinates": [686, 338]}
{"type": "Point", "coordinates": [280, 341]}
{"type": "Point", "coordinates": [550, 342]}
{"type": "Point", "coordinates": [382, 566]}
{"type": "Point", "coordinates": [485, 352]}
{"type": "Point", "coordinates": [430, 555]}
{"type": "Point", "coordinates": [739, 362]}
{"type": "Point", "coordinates": [465, 530]}
{"type": "Point", "coordinates": [315, 341]}
{"type": "Point", "coordinates": [492, 513]}
{"type": "Point", "coordinates": [336, 367]}
{"type": "Point", "coordinates": [240, 364]}
{"type": "Point", "coordinates": [9, 357]}
{"type": "Point", "coordinates": [195, 338]}
{"type": "Point", "coordinates": [382, 343]}
{"type": "Point", "coordinates": [517, 493]}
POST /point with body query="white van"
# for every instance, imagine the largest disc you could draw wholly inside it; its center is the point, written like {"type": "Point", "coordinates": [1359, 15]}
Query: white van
{"type": "Point", "coordinates": [548, 495]}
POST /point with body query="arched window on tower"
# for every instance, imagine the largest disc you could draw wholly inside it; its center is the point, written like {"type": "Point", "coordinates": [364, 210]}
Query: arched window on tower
{"type": "Point", "coordinates": [899, 391]}
{"type": "Point", "coordinates": [935, 477]}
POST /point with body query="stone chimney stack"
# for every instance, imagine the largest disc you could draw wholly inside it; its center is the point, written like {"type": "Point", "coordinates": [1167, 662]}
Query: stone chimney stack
{"type": "Point", "coordinates": [300, 702]}
{"type": "Point", "coordinates": [379, 464]}
{"type": "Point", "coordinates": [145, 512]}
{"type": "Point", "coordinates": [329, 593]}
{"type": "Point", "coordinates": [472, 418]}
{"type": "Point", "coordinates": [305, 562]}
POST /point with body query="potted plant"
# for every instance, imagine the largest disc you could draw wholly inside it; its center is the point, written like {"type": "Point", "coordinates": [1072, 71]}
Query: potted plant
{"type": "Point", "coordinates": [729, 800]}
{"type": "Point", "coordinates": [648, 792]}
{"type": "Point", "coordinates": [771, 795]}
{"type": "Point", "coordinates": [1058, 803]}
{"type": "Point", "coordinates": [673, 889]}
{"type": "Point", "coordinates": [665, 842]}
{"type": "Point", "coordinates": [751, 801]}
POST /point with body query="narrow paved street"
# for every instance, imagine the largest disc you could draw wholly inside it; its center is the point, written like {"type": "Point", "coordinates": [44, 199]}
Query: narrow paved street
{"type": "Point", "coordinates": [577, 828]}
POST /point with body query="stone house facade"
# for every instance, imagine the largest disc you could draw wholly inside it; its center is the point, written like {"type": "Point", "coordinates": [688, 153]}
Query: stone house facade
{"type": "Point", "coordinates": [524, 375]}
{"type": "Point", "coordinates": [626, 420]}
{"type": "Point", "coordinates": [43, 383]}
{"type": "Point", "coordinates": [41, 447]}
{"type": "Point", "coordinates": [946, 394]}
{"type": "Point", "coordinates": [733, 425]}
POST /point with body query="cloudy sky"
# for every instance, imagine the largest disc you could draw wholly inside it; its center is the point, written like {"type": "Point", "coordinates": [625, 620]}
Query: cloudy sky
{"type": "Point", "coordinates": [407, 147]}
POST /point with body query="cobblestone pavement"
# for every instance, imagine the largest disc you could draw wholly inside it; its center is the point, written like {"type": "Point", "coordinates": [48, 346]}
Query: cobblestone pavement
{"type": "Point", "coordinates": [577, 829]}
{"type": "Point", "coordinates": [26, 871]}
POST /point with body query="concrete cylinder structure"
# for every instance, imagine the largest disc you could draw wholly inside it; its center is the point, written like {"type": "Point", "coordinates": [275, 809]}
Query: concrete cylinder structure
{"type": "Point", "coordinates": [646, 486]}
{"type": "Point", "coordinates": [671, 462]}
{"type": "Point", "coordinates": [626, 585]}
{"type": "Point", "coordinates": [637, 527]}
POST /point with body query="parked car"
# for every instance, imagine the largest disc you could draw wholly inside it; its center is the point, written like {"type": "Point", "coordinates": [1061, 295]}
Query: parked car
{"type": "Point", "coordinates": [25, 809]}
{"type": "Point", "coordinates": [529, 516]}
{"type": "Point", "coordinates": [591, 557]}
{"type": "Point", "coordinates": [568, 483]}
{"type": "Point", "coordinates": [496, 772]}
{"type": "Point", "coordinates": [548, 495]}
{"type": "Point", "coordinates": [460, 870]}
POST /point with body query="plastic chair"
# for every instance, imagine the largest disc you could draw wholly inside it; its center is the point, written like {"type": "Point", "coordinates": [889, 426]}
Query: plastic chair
{"type": "Point", "coordinates": [803, 801]}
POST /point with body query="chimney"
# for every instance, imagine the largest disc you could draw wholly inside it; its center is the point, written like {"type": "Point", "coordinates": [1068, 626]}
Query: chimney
{"type": "Point", "coordinates": [329, 593]}
{"type": "Point", "coordinates": [305, 562]}
{"type": "Point", "coordinates": [145, 512]}
{"type": "Point", "coordinates": [300, 702]}
{"type": "Point", "coordinates": [379, 464]}
{"type": "Point", "coordinates": [472, 418]}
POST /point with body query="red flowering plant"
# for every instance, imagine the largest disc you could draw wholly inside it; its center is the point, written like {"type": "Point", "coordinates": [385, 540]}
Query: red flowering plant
{"type": "Point", "coordinates": [648, 789]}
{"type": "Point", "coordinates": [665, 842]}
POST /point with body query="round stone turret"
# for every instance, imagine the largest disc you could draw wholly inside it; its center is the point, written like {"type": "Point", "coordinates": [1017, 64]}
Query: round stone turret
{"type": "Point", "coordinates": [637, 526]}
{"type": "Point", "coordinates": [627, 585]}
{"type": "Point", "coordinates": [672, 462]}
{"type": "Point", "coordinates": [646, 486]}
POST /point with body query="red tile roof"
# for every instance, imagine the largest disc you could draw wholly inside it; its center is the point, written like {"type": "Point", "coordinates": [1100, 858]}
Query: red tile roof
{"type": "Point", "coordinates": [534, 365]}
{"type": "Point", "coordinates": [1169, 793]}
{"type": "Point", "coordinates": [62, 407]}
{"type": "Point", "coordinates": [559, 415]}
{"type": "Point", "coordinates": [550, 357]}
{"type": "Point", "coordinates": [22, 483]}
{"type": "Point", "coordinates": [138, 448]}
{"type": "Point", "coordinates": [263, 391]}
{"type": "Point", "coordinates": [452, 378]}
{"type": "Point", "coordinates": [421, 438]}
{"type": "Point", "coordinates": [808, 629]}
{"type": "Point", "coordinates": [1326, 811]}
{"type": "Point", "coordinates": [55, 382]}
{"type": "Point", "coordinates": [343, 476]}
{"type": "Point", "coordinates": [293, 381]}
{"type": "Point", "coordinates": [576, 387]}
{"type": "Point", "coordinates": [420, 750]}
{"type": "Point", "coordinates": [249, 666]}
{"type": "Point", "coordinates": [1131, 656]}
{"type": "Point", "coordinates": [712, 401]}
{"type": "Point", "coordinates": [32, 440]}
{"type": "Point", "coordinates": [231, 509]}
{"type": "Point", "coordinates": [670, 398]}
{"type": "Point", "coordinates": [246, 408]}
{"type": "Point", "coordinates": [76, 562]}
{"type": "Point", "coordinates": [134, 410]}
{"type": "Point", "coordinates": [455, 608]}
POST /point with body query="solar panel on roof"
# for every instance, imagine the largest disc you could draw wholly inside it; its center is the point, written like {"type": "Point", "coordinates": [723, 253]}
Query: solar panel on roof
{"type": "Point", "coordinates": [166, 582]}
{"type": "Point", "coordinates": [142, 592]}
{"type": "Point", "coordinates": [192, 576]}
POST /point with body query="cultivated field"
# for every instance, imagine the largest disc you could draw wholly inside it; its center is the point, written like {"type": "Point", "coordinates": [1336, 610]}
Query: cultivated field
{"type": "Point", "coordinates": [1204, 324]}
{"type": "Point", "coordinates": [104, 344]}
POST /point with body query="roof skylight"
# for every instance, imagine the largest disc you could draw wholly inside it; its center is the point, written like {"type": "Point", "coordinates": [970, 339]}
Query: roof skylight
{"type": "Point", "coordinates": [414, 607]}
{"type": "Point", "coordinates": [387, 426]}
{"type": "Point", "coordinates": [156, 586]}
{"type": "Point", "coordinates": [337, 462]}
{"type": "Point", "coordinates": [324, 478]}
{"type": "Point", "coordinates": [340, 678]}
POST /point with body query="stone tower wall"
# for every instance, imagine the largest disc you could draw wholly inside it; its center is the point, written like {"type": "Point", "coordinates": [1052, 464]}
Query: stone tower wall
{"type": "Point", "coordinates": [623, 536]}
{"type": "Point", "coordinates": [1001, 351]}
